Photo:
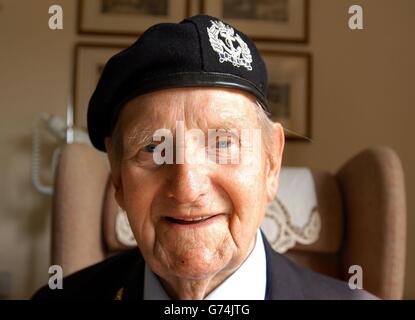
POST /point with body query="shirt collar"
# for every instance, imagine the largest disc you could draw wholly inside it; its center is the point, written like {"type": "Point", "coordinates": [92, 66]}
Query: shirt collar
{"type": "Point", "coordinates": [248, 282]}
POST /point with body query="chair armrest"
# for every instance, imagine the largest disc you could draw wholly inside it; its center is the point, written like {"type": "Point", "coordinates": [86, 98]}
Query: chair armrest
{"type": "Point", "coordinates": [373, 190]}
{"type": "Point", "coordinates": [80, 181]}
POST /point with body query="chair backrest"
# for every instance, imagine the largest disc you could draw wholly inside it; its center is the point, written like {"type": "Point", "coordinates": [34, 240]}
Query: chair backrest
{"type": "Point", "coordinates": [362, 209]}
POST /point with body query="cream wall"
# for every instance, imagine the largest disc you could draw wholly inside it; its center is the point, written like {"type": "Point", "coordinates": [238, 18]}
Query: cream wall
{"type": "Point", "coordinates": [34, 66]}
{"type": "Point", "coordinates": [362, 95]}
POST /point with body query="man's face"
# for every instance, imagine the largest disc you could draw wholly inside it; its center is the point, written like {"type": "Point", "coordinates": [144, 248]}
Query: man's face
{"type": "Point", "coordinates": [161, 200]}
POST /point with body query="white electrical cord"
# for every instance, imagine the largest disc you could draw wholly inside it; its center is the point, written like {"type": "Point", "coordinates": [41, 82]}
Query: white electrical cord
{"type": "Point", "coordinates": [55, 125]}
{"type": "Point", "coordinates": [41, 117]}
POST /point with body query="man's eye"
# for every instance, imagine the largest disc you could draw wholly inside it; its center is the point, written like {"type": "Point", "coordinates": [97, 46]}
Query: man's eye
{"type": "Point", "coordinates": [150, 148]}
{"type": "Point", "coordinates": [221, 144]}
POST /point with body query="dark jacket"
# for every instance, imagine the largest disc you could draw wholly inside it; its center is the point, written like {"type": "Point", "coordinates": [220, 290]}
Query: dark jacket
{"type": "Point", "coordinates": [122, 277]}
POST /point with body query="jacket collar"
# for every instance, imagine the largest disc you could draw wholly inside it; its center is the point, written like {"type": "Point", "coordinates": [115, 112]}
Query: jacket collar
{"type": "Point", "coordinates": [282, 279]}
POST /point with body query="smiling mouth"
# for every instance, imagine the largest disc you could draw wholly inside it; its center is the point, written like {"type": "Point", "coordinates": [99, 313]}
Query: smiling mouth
{"type": "Point", "coordinates": [189, 220]}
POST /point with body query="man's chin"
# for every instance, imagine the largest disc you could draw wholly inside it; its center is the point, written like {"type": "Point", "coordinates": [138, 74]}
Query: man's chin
{"type": "Point", "coordinates": [196, 264]}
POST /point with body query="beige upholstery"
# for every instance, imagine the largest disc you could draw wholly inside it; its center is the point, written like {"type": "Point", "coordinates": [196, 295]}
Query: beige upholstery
{"type": "Point", "coordinates": [373, 191]}
{"type": "Point", "coordinates": [362, 210]}
{"type": "Point", "coordinates": [80, 181]}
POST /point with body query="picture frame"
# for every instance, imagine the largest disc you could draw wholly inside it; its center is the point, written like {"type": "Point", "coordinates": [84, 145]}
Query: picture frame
{"type": "Point", "coordinates": [264, 20]}
{"type": "Point", "coordinates": [127, 17]}
{"type": "Point", "coordinates": [89, 60]}
{"type": "Point", "coordinates": [289, 91]}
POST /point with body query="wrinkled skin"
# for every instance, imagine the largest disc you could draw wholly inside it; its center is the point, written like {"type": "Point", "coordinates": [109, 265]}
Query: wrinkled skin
{"type": "Point", "coordinates": [192, 259]}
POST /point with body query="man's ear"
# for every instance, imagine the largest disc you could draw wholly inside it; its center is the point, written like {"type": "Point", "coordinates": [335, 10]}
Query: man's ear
{"type": "Point", "coordinates": [115, 172]}
{"type": "Point", "coordinates": [274, 161]}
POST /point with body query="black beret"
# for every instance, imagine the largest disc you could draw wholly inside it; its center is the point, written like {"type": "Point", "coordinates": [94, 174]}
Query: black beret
{"type": "Point", "coordinates": [200, 51]}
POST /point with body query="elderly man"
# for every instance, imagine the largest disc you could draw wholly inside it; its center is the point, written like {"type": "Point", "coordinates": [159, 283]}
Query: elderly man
{"type": "Point", "coordinates": [178, 113]}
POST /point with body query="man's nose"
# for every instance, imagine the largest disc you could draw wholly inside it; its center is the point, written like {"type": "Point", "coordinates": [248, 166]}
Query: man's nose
{"type": "Point", "coordinates": [187, 183]}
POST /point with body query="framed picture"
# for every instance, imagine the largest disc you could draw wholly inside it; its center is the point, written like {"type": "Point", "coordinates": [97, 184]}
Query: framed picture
{"type": "Point", "coordinates": [90, 60]}
{"type": "Point", "coordinates": [289, 92]}
{"type": "Point", "coordinates": [127, 17]}
{"type": "Point", "coordinates": [263, 20]}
